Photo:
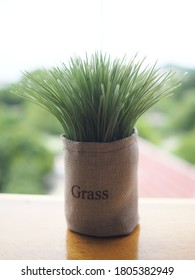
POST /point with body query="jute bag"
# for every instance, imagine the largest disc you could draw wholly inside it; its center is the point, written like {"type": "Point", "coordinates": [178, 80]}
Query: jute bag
{"type": "Point", "coordinates": [101, 197]}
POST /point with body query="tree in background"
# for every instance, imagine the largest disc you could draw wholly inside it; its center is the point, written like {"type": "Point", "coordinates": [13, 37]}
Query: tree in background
{"type": "Point", "coordinates": [173, 120]}
{"type": "Point", "coordinates": [25, 162]}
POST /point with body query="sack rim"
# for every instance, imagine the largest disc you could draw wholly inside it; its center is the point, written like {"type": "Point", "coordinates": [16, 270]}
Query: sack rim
{"type": "Point", "coordinates": [100, 147]}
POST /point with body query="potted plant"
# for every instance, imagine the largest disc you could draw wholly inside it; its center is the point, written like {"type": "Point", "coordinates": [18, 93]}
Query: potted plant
{"type": "Point", "coordinates": [98, 100]}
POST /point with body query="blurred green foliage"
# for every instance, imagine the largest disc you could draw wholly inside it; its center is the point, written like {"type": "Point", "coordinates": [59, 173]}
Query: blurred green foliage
{"type": "Point", "coordinates": [173, 120]}
{"type": "Point", "coordinates": [25, 161]}
{"type": "Point", "coordinates": [186, 147]}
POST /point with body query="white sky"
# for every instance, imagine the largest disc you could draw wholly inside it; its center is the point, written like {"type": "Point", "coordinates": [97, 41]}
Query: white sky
{"type": "Point", "coordinates": [36, 33]}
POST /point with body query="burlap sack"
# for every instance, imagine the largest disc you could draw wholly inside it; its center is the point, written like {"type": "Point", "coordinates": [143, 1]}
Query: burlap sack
{"type": "Point", "coordinates": [101, 196]}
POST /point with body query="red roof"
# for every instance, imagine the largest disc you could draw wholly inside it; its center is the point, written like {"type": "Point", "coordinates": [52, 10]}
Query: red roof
{"type": "Point", "coordinates": [163, 175]}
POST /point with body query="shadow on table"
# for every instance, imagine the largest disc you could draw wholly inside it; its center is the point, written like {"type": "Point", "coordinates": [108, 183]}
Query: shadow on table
{"type": "Point", "coordinates": [81, 247]}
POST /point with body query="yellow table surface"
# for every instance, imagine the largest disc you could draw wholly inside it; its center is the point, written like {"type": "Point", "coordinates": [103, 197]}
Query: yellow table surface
{"type": "Point", "coordinates": [34, 227]}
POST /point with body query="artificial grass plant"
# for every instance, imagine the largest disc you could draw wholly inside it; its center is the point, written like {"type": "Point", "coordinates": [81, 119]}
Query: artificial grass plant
{"type": "Point", "coordinates": [97, 99]}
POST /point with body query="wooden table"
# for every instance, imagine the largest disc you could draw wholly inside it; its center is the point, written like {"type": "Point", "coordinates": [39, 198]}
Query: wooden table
{"type": "Point", "coordinates": [33, 227]}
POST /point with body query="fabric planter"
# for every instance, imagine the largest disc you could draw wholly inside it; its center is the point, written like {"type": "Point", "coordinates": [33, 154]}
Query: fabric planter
{"type": "Point", "coordinates": [101, 196]}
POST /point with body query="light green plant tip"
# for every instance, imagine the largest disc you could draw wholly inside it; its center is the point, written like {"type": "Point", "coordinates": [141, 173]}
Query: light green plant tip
{"type": "Point", "coordinates": [97, 99]}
